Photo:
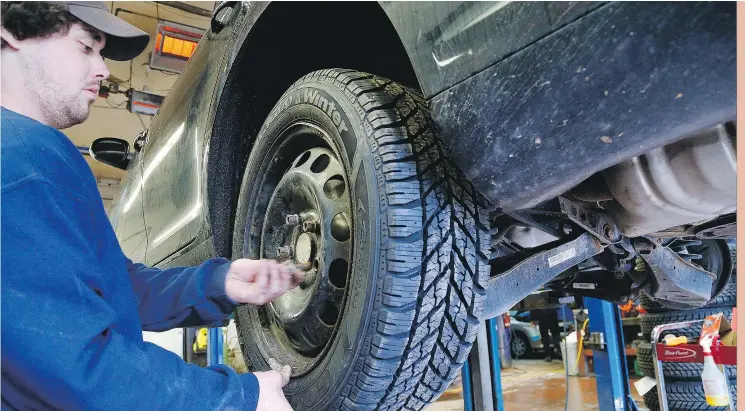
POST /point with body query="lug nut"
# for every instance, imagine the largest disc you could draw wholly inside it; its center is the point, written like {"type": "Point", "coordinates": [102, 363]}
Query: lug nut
{"type": "Point", "coordinates": [309, 226]}
{"type": "Point", "coordinates": [284, 253]}
{"type": "Point", "coordinates": [292, 219]}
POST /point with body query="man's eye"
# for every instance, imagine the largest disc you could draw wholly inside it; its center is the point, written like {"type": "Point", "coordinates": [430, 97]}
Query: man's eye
{"type": "Point", "coordinates": [87, 49]}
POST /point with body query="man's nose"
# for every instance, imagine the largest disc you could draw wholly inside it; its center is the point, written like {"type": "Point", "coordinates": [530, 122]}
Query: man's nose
{"type": "Point", "coordinates": [101, 72]}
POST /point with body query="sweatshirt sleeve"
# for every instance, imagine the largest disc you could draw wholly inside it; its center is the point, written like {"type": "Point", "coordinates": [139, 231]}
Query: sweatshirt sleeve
{"type": "Point", "coordinates": [61, 346]}
{"type": "Point", "coordinates": [181, 296]}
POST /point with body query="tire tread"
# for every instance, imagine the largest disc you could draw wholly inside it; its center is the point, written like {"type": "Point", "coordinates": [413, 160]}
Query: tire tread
{"type": "Point", "coordinates": [684, 396]}
{"type": "Point", "coordinates": [435, 246]}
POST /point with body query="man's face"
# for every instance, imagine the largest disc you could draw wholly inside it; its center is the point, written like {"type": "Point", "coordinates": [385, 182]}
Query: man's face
{"type": "Point", "coordinates": [64, 73]}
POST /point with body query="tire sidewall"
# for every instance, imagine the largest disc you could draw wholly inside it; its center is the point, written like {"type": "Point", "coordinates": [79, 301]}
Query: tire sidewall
{"type": "Point", "coordinates": [350, 141]}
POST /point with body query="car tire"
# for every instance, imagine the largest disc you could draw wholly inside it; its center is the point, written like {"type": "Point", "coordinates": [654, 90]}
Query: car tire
{"type": "Point", "coordinates": [520, 345]}
{"type": "Point", "coordinates": [648, 322]}
{"type": "Point", "coordinates": [682, 371]}
{"type": "Point", "coordinates": [685, 396]}
{"type": "Point", "coordinates": [418, 242]}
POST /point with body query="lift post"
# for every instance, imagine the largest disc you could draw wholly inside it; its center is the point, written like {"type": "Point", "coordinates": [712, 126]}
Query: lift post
{"type": "Point", "coordinates": [609, 356]}
{"type": "Point", "coordinates": [482, 384]}
{"type": "Point", "coordinates": [214, 346]}
{"type": "Point", "coordinates": [481, 374]}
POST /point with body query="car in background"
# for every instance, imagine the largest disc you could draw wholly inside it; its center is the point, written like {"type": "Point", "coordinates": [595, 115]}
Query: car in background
{"type": "Point", "coordinates": [525, 337]}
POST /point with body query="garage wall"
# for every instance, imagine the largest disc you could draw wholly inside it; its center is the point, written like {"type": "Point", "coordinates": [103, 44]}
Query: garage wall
{"type": "Point", "coordinates": [110, 117]}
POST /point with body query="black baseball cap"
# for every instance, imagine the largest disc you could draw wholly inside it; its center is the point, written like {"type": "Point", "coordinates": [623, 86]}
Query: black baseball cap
{"type": "Point", "coordinates": [123, 40]}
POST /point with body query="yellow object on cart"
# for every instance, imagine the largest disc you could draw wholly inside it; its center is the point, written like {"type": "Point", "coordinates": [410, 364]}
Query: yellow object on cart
{"type": "Point", "coordinates": [200, 344]}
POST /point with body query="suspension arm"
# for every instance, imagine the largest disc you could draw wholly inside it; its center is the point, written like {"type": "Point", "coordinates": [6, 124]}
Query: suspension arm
{"type": "Point", "coordinates": [506, 289]}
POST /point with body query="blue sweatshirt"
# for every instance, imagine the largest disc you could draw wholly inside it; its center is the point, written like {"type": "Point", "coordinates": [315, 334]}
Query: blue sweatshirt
{"type": "Point", "coordinates": [74, 307]}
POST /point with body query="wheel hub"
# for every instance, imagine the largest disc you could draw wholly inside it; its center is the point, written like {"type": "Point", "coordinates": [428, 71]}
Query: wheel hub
{"type": "Point", "coordinates": [308, 221]}
{"type": "Point", "coordinates": [304, 249]}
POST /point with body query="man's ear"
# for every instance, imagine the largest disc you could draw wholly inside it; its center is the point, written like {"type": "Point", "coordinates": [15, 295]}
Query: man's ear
{"type": "Point", "coordinates": [9, 39]}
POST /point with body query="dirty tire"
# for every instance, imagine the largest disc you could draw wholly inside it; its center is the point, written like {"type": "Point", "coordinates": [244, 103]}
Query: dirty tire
{"type": "Point", "coordinates": [421, 240]}
{"type": "Point", "coordinates": [685, 396]}
{"type": "Point", "coordinates": [651, 320]}
{"type": "Point", "coordinates": [674, 370]}
{"type": "Point", "coordinates": [726, 298]}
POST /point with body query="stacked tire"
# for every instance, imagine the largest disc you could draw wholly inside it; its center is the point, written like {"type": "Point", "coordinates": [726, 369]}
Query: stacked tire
{"type": "Point", "coordinates": [683, 380]}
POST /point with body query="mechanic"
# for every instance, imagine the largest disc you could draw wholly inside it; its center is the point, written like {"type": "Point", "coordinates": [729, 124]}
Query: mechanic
{"type": "Point", "coordinates": [548, 321]}
{"type": "Point", "coordinates": [73, 306]}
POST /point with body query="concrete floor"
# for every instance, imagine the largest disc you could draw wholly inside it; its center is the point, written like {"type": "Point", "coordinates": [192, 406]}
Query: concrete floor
{"type": "Point", "coordinates": [535, 385]}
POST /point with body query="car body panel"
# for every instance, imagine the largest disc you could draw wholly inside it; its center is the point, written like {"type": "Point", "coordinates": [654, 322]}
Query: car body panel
{"type": "Point", "coordinates": [126, 215]}
{"type": "Point", "coordinates": [532, 332]}
{"type": "Point", "coordinates": [579, 101]}
{"type": "Point", "coordinates": [450, 41]}
{"type": "Point", "coordinates": [174, 172]}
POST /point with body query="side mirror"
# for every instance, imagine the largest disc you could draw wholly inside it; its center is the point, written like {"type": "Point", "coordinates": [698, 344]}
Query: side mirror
{"type": "Point", "coordinates": [111, 151]}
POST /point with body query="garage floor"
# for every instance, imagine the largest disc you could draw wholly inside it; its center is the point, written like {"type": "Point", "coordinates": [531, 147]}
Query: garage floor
{"type": "Point", "coordinates": [535, 385]}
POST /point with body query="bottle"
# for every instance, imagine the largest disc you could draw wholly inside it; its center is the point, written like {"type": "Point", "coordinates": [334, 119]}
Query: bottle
{"type": "Point", "coordinates": [715, 383]}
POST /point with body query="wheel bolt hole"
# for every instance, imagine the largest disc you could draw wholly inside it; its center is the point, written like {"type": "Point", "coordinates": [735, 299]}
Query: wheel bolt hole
{"type": "Point", "coordinates": [320, 163]}
{"type": "Point", "coordinates": [334, 187]}
{"type": "Point", "coordinates": [328, 313]}
{"type": "Point", "coordinates": [340, 228]}
{"type": "Point", "coordinates": [338, 272]}
{"type": "Point", "coordinates": [303, 159]}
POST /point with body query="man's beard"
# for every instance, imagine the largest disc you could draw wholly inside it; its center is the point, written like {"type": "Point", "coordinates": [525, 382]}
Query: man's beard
{"type": "Point", "coordinates": [62, 113]}
{"type": "Point", "coordinates": [59, 109]}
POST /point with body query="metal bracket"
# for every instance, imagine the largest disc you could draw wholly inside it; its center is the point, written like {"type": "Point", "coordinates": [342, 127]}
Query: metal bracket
{"type": "Point", "coordinates": [506, 289]}
{"type": "Point", "coordinates": [681, 284]}
{"type": "Point", "coordinates": [592, 220]}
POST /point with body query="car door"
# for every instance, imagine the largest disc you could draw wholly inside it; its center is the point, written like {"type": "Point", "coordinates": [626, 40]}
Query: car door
{"type": "Point", "coordinates": [126, 215]}
{"type": "Point", "coordinates": [174, 171]}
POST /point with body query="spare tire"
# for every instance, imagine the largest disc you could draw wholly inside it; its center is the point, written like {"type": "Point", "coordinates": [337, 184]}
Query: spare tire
{"type": "Point", "coordinates": [683, 371]}
{"type": "Point", "coordinates": [648, 322]}
{"type": "Point", "coordinates": [685, 396]}
{"type": "Point", "coordinates": [397, 237]}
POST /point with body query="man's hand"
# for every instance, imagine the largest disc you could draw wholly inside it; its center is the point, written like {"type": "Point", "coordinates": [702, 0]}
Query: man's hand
{"type": "Point", "coordinates": [258, 282]}
{"type": "Point", "coordinates": [271, 397]}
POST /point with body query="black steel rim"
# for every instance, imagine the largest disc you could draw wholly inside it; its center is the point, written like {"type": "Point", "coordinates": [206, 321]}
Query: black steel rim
{"type": "Point", "coordinates": [307, 218]}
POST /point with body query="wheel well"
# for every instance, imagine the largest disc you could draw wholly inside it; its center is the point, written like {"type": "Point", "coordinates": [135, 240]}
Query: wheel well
{"type": "Point", "coordinates": [289, 40]}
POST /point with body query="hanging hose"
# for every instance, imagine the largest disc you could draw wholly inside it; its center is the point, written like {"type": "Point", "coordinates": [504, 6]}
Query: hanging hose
{"type": "Point", "coordinates": [579, 338]}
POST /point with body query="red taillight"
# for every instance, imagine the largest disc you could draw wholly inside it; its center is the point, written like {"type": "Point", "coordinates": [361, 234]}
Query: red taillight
{"type": "Point", "coordinates": [506, 318]}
